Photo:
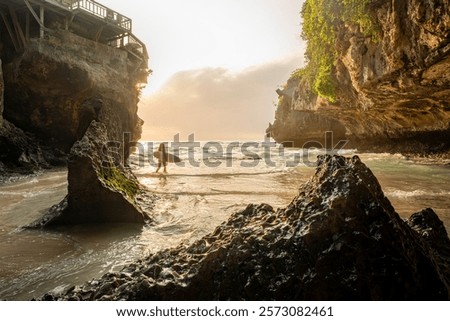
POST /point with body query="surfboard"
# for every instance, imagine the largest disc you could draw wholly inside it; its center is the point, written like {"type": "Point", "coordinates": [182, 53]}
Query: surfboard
{"type": "Point", "coordinates": [171, 158]}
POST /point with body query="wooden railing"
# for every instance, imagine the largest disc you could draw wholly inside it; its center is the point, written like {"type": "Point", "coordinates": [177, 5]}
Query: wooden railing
{"type": "Point", "coordinates": [103, 12]}
{"type": "Point", "coordinates": [125, 39]}
{"type": "Point", "coordinates": [62, 3]}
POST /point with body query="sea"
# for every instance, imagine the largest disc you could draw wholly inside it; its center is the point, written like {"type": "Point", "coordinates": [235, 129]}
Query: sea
{"type": "Point", "coordinates": [212, 181]}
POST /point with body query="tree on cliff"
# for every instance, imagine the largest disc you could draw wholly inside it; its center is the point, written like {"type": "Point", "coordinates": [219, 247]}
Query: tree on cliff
{"type": "Point", "coordinates": [320, 20]}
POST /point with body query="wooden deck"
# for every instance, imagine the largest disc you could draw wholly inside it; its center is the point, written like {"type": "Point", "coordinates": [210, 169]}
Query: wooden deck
{"type": "Point", "coordinates": [25, 19]}
{"type": "Point", "coordinates": [98, 10]}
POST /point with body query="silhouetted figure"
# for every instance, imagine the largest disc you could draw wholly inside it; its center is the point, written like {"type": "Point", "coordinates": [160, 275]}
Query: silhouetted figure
{"type": "Point", "coordinates": [162, 157]}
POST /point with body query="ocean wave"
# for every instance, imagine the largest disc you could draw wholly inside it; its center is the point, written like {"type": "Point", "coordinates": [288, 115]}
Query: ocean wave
{"type": "Point", "coordinates": [415, 193]}
{"type": "Point", "coordinates": [368, 157]}
{"type": "Point", "coordinates": [214, 192]}
{"type": "Point", "coordinates": [256, 153]}
{"type": "Point", "coordinates": [212, 175]}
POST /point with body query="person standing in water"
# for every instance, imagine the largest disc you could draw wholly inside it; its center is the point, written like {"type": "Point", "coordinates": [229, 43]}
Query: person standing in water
{"type": "Point", "coordinates": [162, 157]}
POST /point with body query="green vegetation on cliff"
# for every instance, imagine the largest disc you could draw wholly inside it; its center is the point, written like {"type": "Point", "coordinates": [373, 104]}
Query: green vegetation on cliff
{"type": "Point", "coordinates": [320, 20]}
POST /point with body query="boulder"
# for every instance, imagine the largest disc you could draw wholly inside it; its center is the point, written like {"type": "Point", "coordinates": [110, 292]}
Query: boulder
{"type": "Point", "coordinates": [339, 239]}
{"type": "Point", "coordinates": [100, 189]}
{"type": "Point", "coordinates": [20, 152]}
{"type": "Point", "coordinates": [431, 229]}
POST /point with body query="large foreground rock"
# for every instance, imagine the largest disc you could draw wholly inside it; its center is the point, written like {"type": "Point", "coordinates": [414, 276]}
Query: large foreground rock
{"type": "Point", "coordinates": [339, 239]}
{"type": "Point", "coordinates": [100, 188]}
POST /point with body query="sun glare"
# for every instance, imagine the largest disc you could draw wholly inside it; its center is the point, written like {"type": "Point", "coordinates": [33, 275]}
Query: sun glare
{"type": "Point", "coordinates": [202, 54]}
{"type": "Point", "coordinates": [233, 34]}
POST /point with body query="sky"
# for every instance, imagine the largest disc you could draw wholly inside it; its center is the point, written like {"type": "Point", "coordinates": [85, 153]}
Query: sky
{"type": "Point", "coordinates": [216, 64]}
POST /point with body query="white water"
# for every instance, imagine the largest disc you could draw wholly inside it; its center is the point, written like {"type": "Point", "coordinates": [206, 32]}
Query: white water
{"type": "Point", "coordinates": [193, 201]}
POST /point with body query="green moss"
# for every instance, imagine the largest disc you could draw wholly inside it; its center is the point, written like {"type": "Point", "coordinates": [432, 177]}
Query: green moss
{"type": "Point", "coordinates": [114, 178]}
{"type": "Point", "coordinates": [320, 18]}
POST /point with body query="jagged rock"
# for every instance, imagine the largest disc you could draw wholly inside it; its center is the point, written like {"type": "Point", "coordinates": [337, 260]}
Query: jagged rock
{"type": "Point", "coordinates": [432, 231]}
{"type": "Point", "coordinates": [20, 153]}
{"type": "Point", "coordinates": [430, 228]}
{"type": "Point", "coordinates": [100, 189]}
{"type": "Point", "coordinates": [339, 239]}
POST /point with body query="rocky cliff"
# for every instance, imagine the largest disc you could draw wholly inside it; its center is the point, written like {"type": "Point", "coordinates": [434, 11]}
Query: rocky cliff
{"type": "Point", "coordinates": [339, 239]}
{"type": "Point", "coordinates": [19, 152]}
{"type": "Point", "coordinates": [59, 84]}
{"type": "Point", "coordinates": [392, 90]}
{"type": "Point", "coordinates": [2, 87]}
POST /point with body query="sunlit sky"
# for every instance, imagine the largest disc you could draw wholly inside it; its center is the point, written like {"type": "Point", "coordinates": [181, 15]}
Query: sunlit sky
{"type": "Point", "coordinates": [216, 64]}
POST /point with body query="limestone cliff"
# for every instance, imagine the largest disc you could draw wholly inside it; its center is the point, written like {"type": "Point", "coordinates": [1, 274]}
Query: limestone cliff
{"type": "Point", "coordinates": [59, 84]}
{"type": "Point", "coordinates": [55, 87]}
{"type": "Point", "coordinates": [393, 91]}
{"type": "Point", "coordinates": [19, 152]}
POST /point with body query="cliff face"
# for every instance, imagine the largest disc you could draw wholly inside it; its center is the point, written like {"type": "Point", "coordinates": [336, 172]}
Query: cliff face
{"type": "Point", "coordinates": [53, 90]}
{"type": "Point", "coordinates": [2, 85]}
{"type": "Point", "coordinates": [18, 151]}
{"type": "Point", "coordinates": [393, 93]}
{"type": "Point", "coordinates": [63, 82]}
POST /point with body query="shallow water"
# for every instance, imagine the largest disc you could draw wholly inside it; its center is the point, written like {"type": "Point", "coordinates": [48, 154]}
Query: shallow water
{"type": "Point", "coordinates": [411, 187]}
{"type": "Point", "coordinates": [193, 201]}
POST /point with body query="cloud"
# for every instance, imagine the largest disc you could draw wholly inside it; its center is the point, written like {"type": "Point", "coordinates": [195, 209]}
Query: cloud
{"type": "Point", "coordinates": [215, 103]}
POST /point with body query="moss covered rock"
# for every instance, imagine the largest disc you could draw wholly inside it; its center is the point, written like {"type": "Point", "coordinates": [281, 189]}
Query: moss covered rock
{"type": "Point", "coordinates": [100, 188]}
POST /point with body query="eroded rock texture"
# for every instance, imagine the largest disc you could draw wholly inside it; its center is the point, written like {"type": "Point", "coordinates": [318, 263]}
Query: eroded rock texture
{"type": "Point", "coordinates": [100, 188]}
{"type": "Point", "coordinates": [20, 153]}
{"type": "Point", "coordinates": [339, 239]}
{"type": "Point", "coordinates": [59, 84]}
{"type": "Point", "coordinates": [54, 89]}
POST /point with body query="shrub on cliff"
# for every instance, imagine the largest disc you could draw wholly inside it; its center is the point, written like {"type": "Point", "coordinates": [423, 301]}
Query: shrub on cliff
{"type": "Point", "coordinates": [320, 18]}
